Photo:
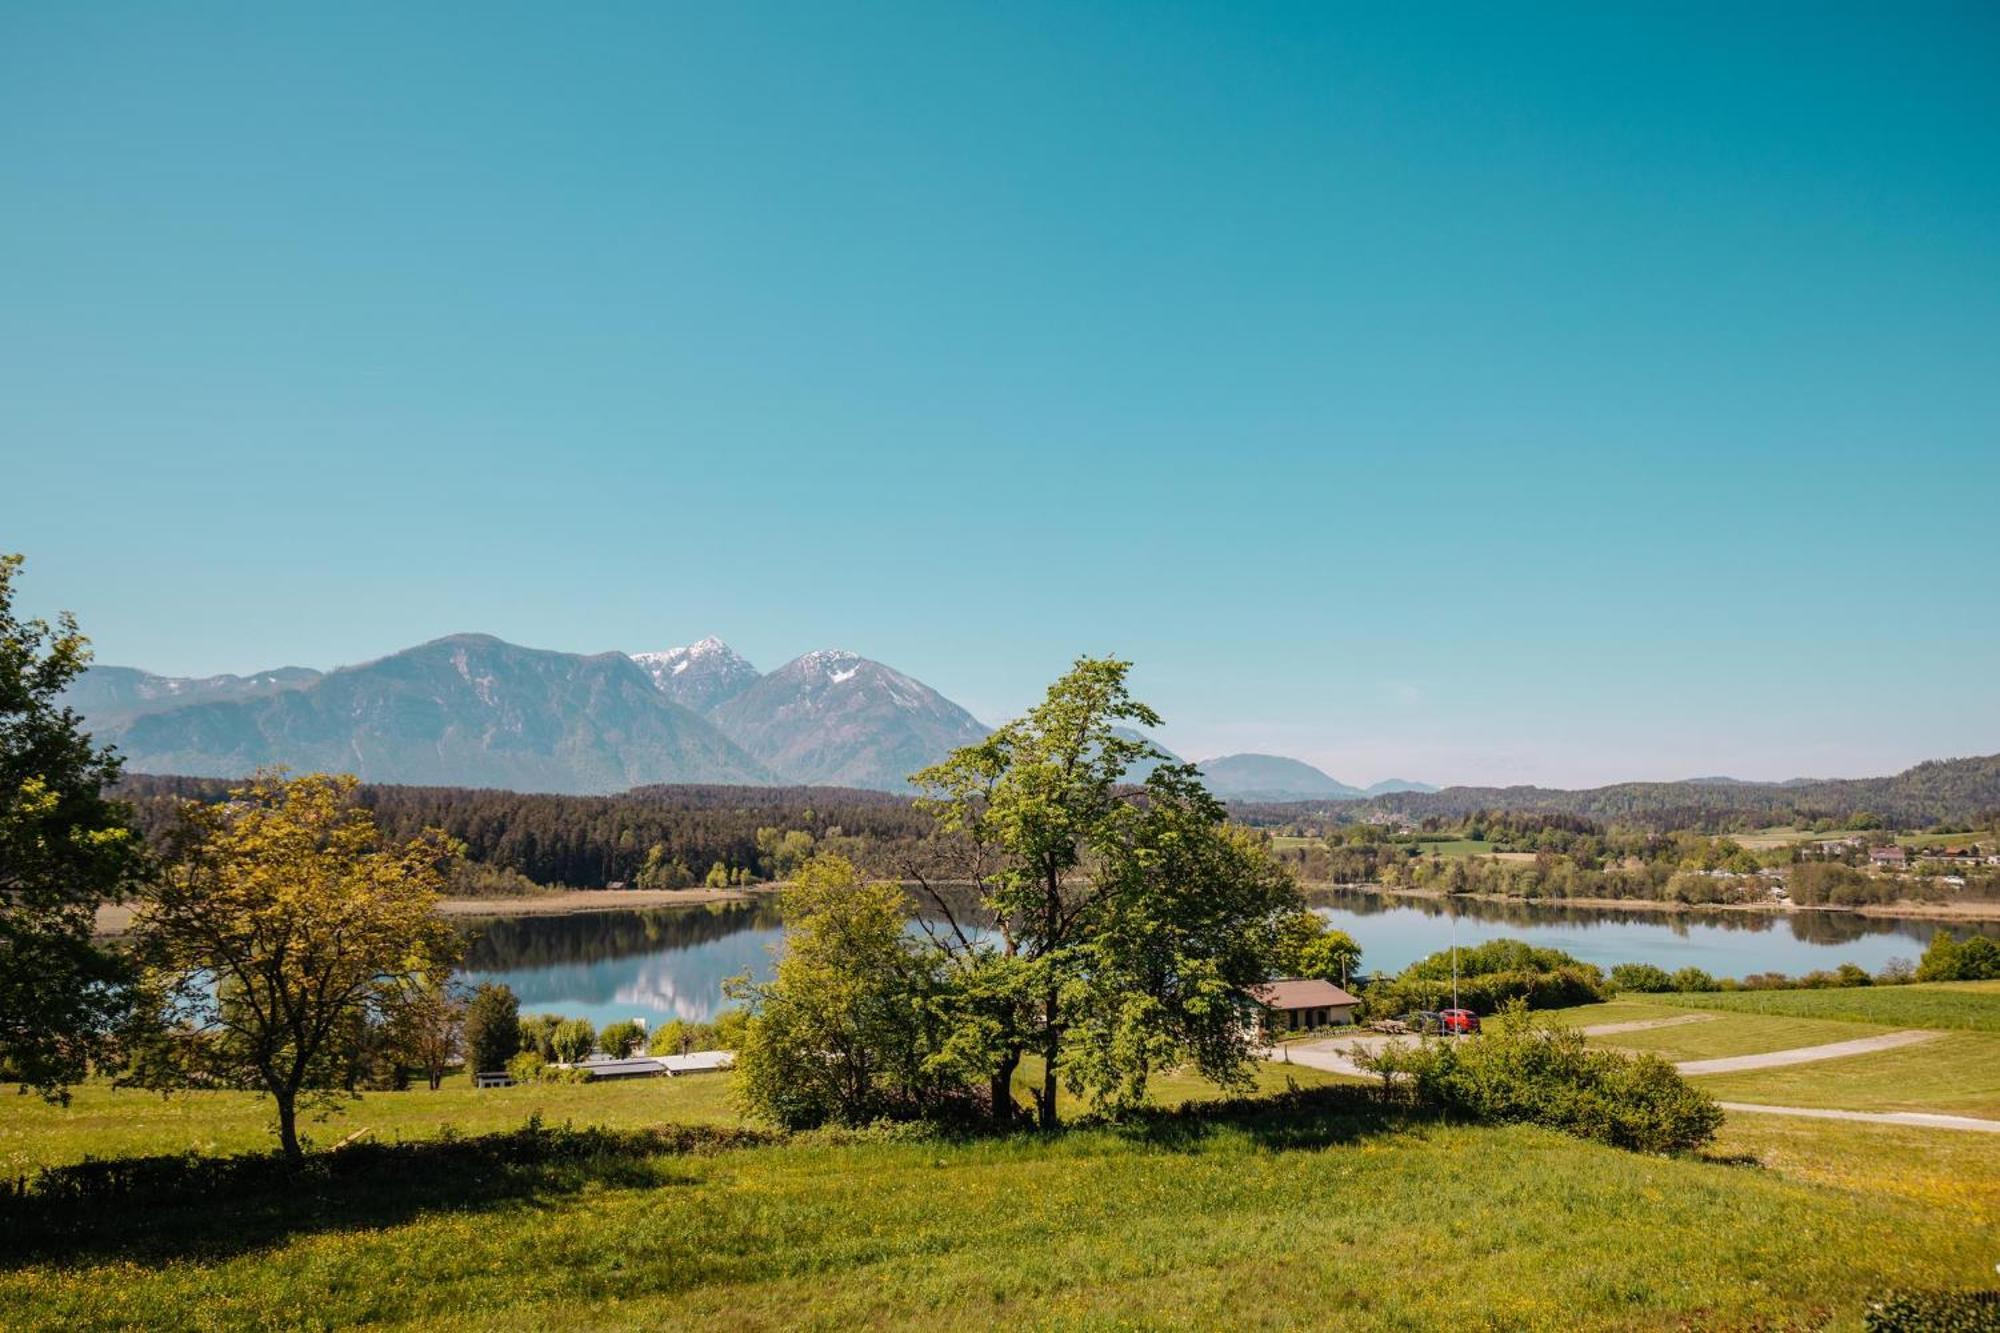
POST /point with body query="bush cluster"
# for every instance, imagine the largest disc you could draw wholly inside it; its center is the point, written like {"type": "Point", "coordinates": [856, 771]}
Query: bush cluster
{"type": "Point", "coordinates": [1534, 1072]}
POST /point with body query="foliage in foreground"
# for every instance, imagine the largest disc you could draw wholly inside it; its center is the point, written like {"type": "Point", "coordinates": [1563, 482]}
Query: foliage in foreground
{"type": "Point", "coordinates": [63, 850]}
{"type": "Point", "coordinates": [1535, 1072]}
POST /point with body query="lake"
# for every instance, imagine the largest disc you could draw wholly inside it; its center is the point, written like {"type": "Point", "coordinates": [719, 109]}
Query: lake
{"type": "Point", "coordinates": [672, 962]}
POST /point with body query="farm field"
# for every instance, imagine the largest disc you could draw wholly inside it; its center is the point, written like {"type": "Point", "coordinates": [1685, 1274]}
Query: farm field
{"type": "Point", "coordinates": [1971, 1005]}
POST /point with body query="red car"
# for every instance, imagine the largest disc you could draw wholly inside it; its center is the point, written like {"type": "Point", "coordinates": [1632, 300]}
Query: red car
{"type": "Point", "coordinates": [1462, 1021]}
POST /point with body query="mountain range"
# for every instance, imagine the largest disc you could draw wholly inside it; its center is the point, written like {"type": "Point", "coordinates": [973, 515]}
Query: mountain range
{"type": "Point", "coordinates": [1271, 777]}
{"type": "Point", "coordinates": [475, 711]}
{"type": "Point", "coordinates": [471, 710]}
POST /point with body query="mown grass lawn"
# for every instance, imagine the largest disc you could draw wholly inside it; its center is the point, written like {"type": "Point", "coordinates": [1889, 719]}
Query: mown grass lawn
{"type": "Point", "coordinates": [1973, 1005]}
{"type": "Point", "coordinates": [1354, 1221]}
{"type": "Point", "coordinates": [1720, 1034]}
{"type": "Point", "coordinates": [1958, 1072]}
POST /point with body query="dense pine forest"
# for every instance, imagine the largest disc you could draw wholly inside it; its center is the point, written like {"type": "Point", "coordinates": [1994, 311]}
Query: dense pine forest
{"type": "Point", "coordinates": [651, 837]}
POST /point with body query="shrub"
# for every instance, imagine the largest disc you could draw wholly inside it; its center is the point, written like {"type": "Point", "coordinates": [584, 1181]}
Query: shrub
{"type": "Point", "coordinates": [526, 1067]}
{"type": "Point", "coordinates": [1935, 1312]}
{"type": "Point", "coordinates": [1694, 979]}
{"type": "Point", "coordinates": [1534, 1072]}
{"type": "Point", "coordinates": [1559, 989]}
{"type": "Point", "coordinates": [573, 1040]}
{"type": "Point", "coordinates": [1641, 977]}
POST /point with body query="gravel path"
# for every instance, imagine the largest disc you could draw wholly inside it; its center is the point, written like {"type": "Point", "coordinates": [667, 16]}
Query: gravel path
{"type": "Point", "coordinates": [1800, 1055]}
{"type": "Point", "coordinates": [1646, 1024]}
{"type": "Point", "coordinates": [1922, 1119]}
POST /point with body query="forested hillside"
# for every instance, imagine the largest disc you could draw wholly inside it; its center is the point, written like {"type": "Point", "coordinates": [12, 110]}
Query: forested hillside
{"type": "Point", "coordinates": [664, 837]}
{"type": "Point", "coordinates": [1938, 791]}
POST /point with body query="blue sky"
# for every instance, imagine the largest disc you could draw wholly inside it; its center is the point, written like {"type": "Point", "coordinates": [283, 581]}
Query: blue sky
{"type": "Point", "coordinates": [1556, 394]}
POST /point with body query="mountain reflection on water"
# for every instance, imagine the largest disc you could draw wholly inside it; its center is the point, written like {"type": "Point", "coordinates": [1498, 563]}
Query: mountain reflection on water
{"type": "Point", "coordinates": [665, 963]}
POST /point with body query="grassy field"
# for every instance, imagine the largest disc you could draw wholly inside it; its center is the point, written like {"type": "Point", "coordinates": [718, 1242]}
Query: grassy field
{"type": "Point", "coordinates": [1972, 1005]}
{"type": "Point", "coordinates": [1733, 1034]}
{"type": "Point", "coordinates": [1958, 1072]}
{"type": "Point", "coordinates": [1242, 1223]}
{"type": "Point", "coordinates": [1255, 1218]}
{"type": "Point", "coordinates": [102, 1121]}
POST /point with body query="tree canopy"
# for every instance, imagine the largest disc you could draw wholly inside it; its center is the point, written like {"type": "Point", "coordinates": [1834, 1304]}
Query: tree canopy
{"type": "Point", "coordinates": [64, 849]}
{"type": "Point", "coordinates": [279, 927]}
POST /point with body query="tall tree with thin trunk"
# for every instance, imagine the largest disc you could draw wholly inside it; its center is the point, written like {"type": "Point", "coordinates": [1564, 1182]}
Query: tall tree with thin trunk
{"type": "Point", "coordinates": [64, 849]}
{"type": "Point", "coordinates": [279, 923]}
{"type": "Point", "coordinates": [1117, 923]}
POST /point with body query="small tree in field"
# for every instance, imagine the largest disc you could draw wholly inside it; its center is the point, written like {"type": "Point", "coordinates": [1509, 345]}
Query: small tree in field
{"type": "Point", "coordinates": [842, 1032]}
{"type": "Point", "coordinates": [619, 1038]}
{"type": "Point", "coordinates": [279, 926]}
{"type": "Point", "coordinates": [573, 1040]}
{"type": "Point", "coordinates": [426, 1020]}
{"type": "Point", "coordinates": [492, 1028]}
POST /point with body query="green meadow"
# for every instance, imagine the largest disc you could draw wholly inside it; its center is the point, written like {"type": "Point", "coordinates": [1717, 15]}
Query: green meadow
{"type": "Point", "coordinates": [1281, 1210]}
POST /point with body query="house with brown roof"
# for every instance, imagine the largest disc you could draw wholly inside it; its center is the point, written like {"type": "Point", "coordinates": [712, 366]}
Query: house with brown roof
{"type": "Point", "coordinates": [1888, 856]}
{"type": "Point", "coordinates": [1301, 1004]}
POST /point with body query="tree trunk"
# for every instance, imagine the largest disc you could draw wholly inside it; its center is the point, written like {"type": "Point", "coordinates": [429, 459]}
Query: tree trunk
{"type": "Point", "coordinates": [1046, 1102]}
{"type": "Point", "coordinates": [288, 1125]}
{"type": "Point", "coordinates": [1002, 1088]}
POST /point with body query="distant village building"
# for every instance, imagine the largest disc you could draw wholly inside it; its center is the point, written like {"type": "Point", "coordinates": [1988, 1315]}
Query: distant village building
{"type": "Point", "coordinates": [1888, 856]}
{"type": "Point", "coordinates": [1302, 1004]}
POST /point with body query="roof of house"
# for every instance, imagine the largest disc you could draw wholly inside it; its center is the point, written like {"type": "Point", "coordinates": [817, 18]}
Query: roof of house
{"type": "Point", "coordinates": [1888, 853]}
{"type": "Point", "coordinates": [696, 1062]}
{"type": "Point", "coordinates": [1300, 993]}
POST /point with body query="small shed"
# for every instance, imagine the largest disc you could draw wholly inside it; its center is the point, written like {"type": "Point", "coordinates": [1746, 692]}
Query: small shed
{"type": "Point", "coordinates": [1302, 1004]}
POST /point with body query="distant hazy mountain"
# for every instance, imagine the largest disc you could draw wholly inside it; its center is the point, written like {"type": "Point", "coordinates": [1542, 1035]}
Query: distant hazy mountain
{"type": "Point", "coordinates": [1389, 786]}
{"type": "Point", "coordinates": [1959, 790]}
{"type": "Point", "coordinates": [838, 719]}
{"type": "Point", "coordinates": [1271, 777]}
{"type": "Point", "coordinates": [468, 710]}
{"type": "Point", "coordinates": [701, 675]}
{"type": "Point", "coordinates": [108, 694]}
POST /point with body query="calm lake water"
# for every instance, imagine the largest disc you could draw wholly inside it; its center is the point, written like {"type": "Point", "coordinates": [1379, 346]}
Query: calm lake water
{"type": "Point", "coordinates": [671, 963]}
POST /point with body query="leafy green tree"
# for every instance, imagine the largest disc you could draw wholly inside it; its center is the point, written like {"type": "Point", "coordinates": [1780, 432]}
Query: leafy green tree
{"type": "Point", "coordinates": [1309, 946]}
{"type": "Point", "coordinates": [620, 1038]}
{"type": "Point", "coordinates": [64, 849]}
{"type": "Point", "coordinates": [1948, 959]}
{"type": "Point", "coordinates": [1694, 979]}
{"type": "Point", "coordinates": [425, 1024]}
{"type": "Point", "coordinates": [1127, 919]}
{"type": "Point", "coordinates": [573, 1040]}
{"type": "Point", "coordinates": [278, 925]}
{"type": "Point", "coordinates": [718, 876]}
{"type": "Point", "coordinates": [538, 1034]}
{"type": "Point", "coordinates": [841, 1032]}
{"type": "Point", "coordinates": [492, 1028]}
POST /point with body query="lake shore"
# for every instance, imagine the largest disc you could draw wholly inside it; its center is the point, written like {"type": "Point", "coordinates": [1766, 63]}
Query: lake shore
{"type": "Point", "coordinates": [1975, 911]}
{"type": "Point", "coordinates": [116, 918]}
